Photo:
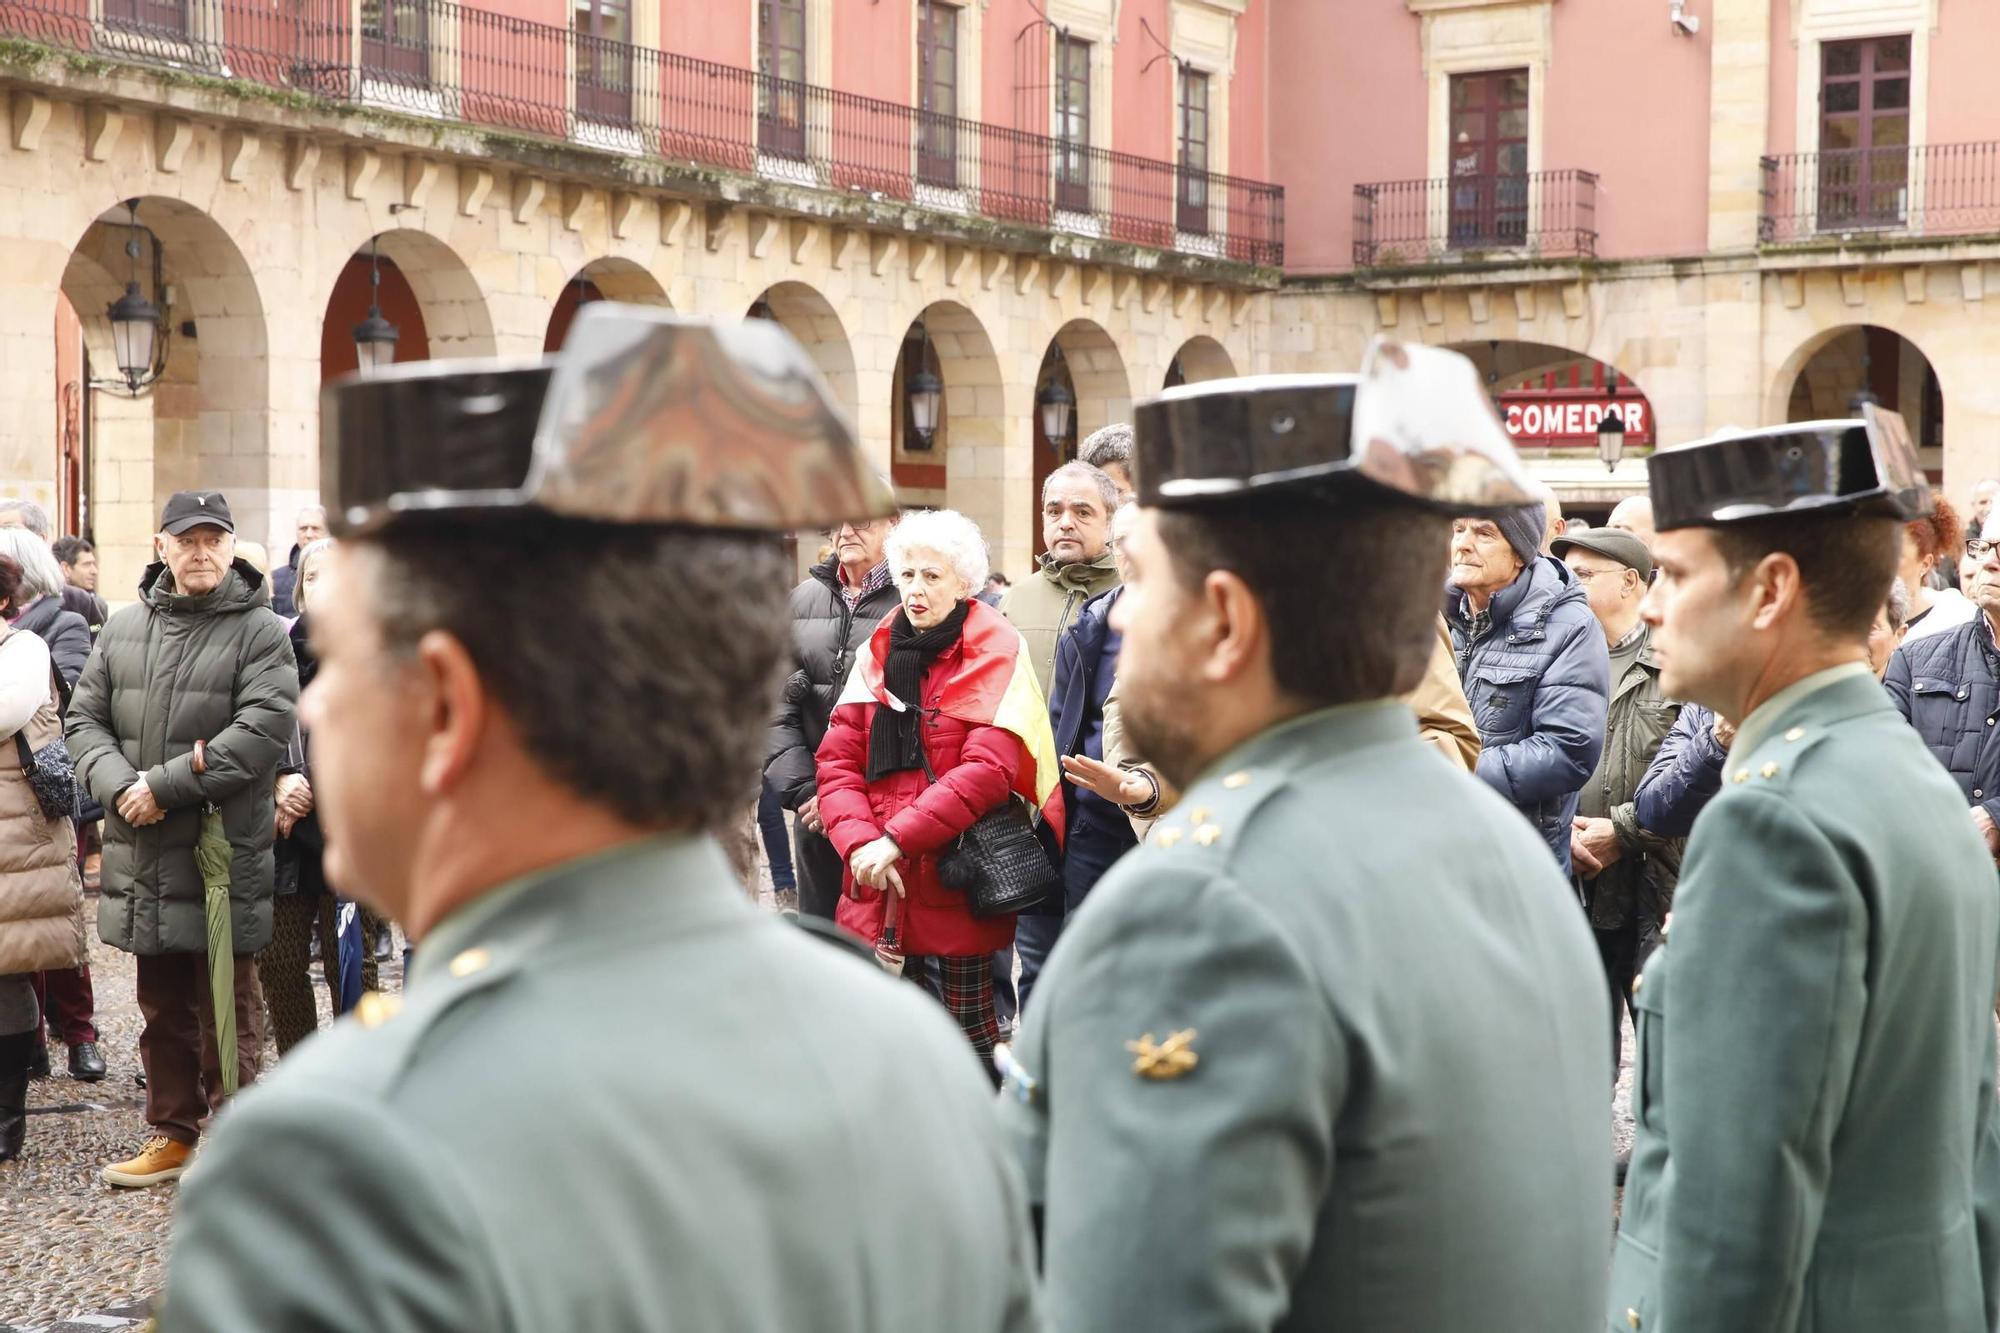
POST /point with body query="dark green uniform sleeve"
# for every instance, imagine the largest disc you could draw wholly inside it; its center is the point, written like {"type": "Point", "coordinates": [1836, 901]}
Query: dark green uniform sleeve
{"type": "Point", "coordinates": [1986, 1207]}
{"type": "Point", "coordinates": [311, 1212]}
{"type": "Point", "coordinates": [1183, 1202]}
{"type": "Point", "coordinates": [1761, 1026]}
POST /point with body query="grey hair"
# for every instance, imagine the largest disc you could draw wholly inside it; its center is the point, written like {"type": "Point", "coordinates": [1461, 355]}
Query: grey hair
{"type": "Point", "coordinates": [1107, 445]}
{"type": "Point", "coordinates": [1107, 489]}
{"type": "Point", "coordinates": [1897, 605]}
{"type": "Point", "coordinates": [309, 509]}
{"type": "Point", "coordinates": [947, 533]}
{"type": "Point", "coordinates": [33, 517]}
{"type": "Point", "coordinates": [310, 552]}
{"type": "Point", "coordinates": [40, 575]}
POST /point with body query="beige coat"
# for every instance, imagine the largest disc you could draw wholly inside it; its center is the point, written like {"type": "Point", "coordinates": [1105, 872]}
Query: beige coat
{"type": "Point", "coordinates": [41, 895]}
{"type": "Point", "coordinates": [1444, 720]}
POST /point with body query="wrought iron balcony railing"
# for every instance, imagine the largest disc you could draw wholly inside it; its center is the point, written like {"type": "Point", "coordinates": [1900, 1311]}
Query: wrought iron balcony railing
{"type": "Point", "coordinates": [1540, 214]}
{"type": "Point", "coordinates": [455, 62]}
{"type": "Point", "coordinates": [1928, 190]}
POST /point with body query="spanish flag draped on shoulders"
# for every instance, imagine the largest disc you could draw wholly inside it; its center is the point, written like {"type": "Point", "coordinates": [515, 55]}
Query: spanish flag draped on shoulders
{"type": "Point", "coordinates": [983, 725]}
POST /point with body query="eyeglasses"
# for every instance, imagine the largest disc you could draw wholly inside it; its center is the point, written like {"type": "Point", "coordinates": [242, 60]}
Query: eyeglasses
{"type": "Point", "coordinates": [1586, 575]}
{"type": "Point", "coordinates": [1976, 548]}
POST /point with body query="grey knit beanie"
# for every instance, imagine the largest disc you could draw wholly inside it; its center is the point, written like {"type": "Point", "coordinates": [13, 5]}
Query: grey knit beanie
{"type": "Point", "coordinates": [1523, 528]}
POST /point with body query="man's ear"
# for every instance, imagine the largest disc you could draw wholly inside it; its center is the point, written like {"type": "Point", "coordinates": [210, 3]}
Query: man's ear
{"type": "Point", "coordinates": [455, 711]}
{"type": "Point", "coordinates": [1776, 589]}
{"type": "Point", "coordinates": [1239, 634]}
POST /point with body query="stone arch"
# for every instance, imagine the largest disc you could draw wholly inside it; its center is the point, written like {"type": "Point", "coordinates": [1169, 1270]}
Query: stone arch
{"type": "Point", "coordinates": [609, 278]}
{"type": "Point", "coordinates": [968, 464]}
{"type": "Point", "coordinates": [1097, 375]}
{"type": "Point", "coordinates": [808, 316]}
{"type": "Point", "coordinates": [458, 318]}
{"type": "Point", "coordinates": [1823, 374]}
{"type": "Point", "coordinates": [205, 421]}
{"type": "Point", "coordinates": [1199, 358]}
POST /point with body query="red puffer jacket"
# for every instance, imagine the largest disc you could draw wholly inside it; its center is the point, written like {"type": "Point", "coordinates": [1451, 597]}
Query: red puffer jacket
{"type": "Point", "coordinates": [975, 767]}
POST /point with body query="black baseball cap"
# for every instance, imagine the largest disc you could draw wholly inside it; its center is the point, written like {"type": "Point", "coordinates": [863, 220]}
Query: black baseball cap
{"type": "Point", "coordinates": [191, 509]}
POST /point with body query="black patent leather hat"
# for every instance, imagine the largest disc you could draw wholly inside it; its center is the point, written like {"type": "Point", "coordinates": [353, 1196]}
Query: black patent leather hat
{"type": "Point", "coordinates": [645, 417]}
{"type": "Point", "coordinates": [1864, 465]}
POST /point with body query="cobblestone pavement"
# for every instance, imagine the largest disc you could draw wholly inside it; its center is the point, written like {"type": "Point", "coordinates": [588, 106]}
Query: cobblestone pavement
{"type": "Point", "coordinates": [77, 1255]}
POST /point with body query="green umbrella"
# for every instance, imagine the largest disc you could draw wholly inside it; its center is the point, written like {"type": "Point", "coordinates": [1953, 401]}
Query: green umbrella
{"type": "Point", "coordinates": [211, 857]}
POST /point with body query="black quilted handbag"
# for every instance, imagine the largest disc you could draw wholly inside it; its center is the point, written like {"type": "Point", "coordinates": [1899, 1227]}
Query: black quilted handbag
{"type": "Point", "coordinates": [51, 775]}
{"type": "Point", "coordinates": [999, 864]}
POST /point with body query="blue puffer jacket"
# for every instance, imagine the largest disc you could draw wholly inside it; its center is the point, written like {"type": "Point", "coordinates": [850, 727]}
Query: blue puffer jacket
{"type": "Point", "coordinates": [1948, 687]}
{"type": "Point", "coordinates": [1539, 682]}
{"type": "Point", "coordinates": [1086, 664]}
{"type": "Point", "coordinates": [1684, 776]}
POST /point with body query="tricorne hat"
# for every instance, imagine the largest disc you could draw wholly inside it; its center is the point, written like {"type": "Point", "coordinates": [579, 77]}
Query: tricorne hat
{"type": "Point", "coordinates": [1415, 424]}
{"type": "Point", "coordinates": [644, 417]}
{"type": "Point", "coordinates": [1864, 465]}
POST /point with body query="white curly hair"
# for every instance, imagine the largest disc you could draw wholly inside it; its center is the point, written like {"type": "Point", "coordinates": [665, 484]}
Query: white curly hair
{"type": "Point", "coordinates": [944, 532]}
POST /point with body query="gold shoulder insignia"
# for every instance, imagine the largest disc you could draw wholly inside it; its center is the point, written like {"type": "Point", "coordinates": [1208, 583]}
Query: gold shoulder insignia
{"type": "Point", "coordinates": [376, 1008]}
{"type": "Point", "coordinates": [1168, 1059]}
{"type": "Point", "coordinates": [1236, 781]}
{"type": "Point", "coordinates": [472, 960]}
{"type": "Point", "coordinates": [1168, 837]}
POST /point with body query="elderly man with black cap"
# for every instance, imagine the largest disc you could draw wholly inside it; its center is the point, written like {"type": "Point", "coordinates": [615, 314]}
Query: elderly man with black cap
{"type": "Point", "coordinates": [186, 706]}
{"type": "Point", "coordinates": [534, 799]}
{"type": "Point", "coordinates": [1816, 1130]}
{"type": "Point", "coordinates": [1533, 664]}
{"type": "Point", "coordinates": [1326, 1051]}
{"type": "Point", "coordinates": [1624, 873]}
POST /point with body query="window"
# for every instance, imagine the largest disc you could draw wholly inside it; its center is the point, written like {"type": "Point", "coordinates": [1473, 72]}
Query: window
{"type": "Point", "coordinates": [1489, 158]}
{"type": "Point", "coordinates": [395, 40]}
{"type": "Point", "coordinates": [163, 18]}
{"type": "Point", "coordinates": [781, 81]}
{"type": "Point", "coordinates": [1864, 132]}
{"type": "Point", "coordinates": [1192, 195]}
{"type": "Point", "coordinates": [937, 91]}
{"type": "Point", "coordinates": [604, 60]}
{"type": "Point", "coordinates": [1073, 123]}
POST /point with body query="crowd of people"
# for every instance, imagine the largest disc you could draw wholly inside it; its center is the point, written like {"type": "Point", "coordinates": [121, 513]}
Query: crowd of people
{"type": "Point", "coordinates": [1253, 844]}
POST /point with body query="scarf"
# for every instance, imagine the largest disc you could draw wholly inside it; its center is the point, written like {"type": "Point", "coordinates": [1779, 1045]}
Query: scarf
{"type": "Point", "coordinates": [895, 741]}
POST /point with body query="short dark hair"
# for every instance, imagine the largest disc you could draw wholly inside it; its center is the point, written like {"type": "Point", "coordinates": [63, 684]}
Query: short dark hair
{"type": "Point", "coordinates": [1353, 588]}
{"type": "Point", "coordinates": [69, 550]}
{"type": "Point", "coordinates": [11, 575]}
{"type": "Point", "coordinates": [639, 664]}
{"type": "Point", "coordinates": [1846, 561]}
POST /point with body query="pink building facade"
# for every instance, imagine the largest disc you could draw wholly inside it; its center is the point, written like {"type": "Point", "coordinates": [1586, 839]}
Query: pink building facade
{"type": "Point", "coordinates": [1750, 210]}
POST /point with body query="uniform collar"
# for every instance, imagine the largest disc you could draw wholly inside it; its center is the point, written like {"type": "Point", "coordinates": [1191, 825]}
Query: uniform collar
{"type": "Point", "coordinates": [679, 879]}
{"type": "Point", "coordinates": [1764, 718]}
{"type": "Point", "coordinates": [1315, 735]}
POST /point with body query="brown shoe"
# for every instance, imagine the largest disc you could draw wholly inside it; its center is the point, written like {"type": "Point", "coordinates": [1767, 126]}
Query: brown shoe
{"type": "Point", "coordinates": [161, 1160]}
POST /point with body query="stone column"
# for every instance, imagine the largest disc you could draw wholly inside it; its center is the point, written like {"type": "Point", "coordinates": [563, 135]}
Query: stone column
{"type": "Point", "coordinates": [1739, 119]}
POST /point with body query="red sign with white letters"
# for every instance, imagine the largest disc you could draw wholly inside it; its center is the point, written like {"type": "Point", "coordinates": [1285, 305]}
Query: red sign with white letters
{"type": "Point", "coordinates": [1536, 417]}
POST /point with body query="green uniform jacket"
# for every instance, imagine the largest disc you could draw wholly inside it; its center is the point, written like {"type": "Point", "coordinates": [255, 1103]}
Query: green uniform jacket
{"type": "Point", "coordinates": [617, 1098]}
{"type": "Point", "coordinates": [1042, 607]}
{"type": "Point", "coordinates": [1396, 1114]}
{"type": "Point", "coordinates": [1816, 1141]}
{"type": "Point", "coordinates": [1640, 883]}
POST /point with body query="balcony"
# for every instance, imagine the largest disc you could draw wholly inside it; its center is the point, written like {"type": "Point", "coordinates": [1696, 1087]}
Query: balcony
{"type": "Point", "coordinates": [442, 60]}
{"type": "Point", "coordinates": [1929, 190]}
{"type": "Point", "coordinates": [1467, 219]}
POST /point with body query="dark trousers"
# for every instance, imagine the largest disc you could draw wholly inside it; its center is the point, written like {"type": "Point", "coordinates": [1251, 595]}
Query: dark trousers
{"type": "Point", "coordinates": [68, 1003]}
{"type": "Point", "coordinates": [777, 847]}
{"type": "Point", "coordinates": [1619, 950]}
{"type": "Point", "coordinates": [284, 965]}
{"type": "Point", "coordinates": [818, 869]}
{"type": "Point", "coordinates": [965, 987]}
{"type": "Point", "coordinates": [1091, 850]}
{"type": "Point", "coordinates": [177, 1045]}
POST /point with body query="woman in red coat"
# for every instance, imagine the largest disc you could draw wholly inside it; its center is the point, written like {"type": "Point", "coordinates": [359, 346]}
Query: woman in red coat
{"type": "Point", "coordinates": [944, 681]}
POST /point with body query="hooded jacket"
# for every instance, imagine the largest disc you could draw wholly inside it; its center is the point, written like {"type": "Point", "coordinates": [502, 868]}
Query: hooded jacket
{"type": "Point", "coordinates": [826, 635]}
{"type": "Point", "coordinates": [1538, 677]}
{"type": "Point", "coordinates": [41, 898]}
{"type": "Point", "coordinates": [1042, 607]}
{"type": "Point", "coordinates": [65, 632]}
{"type": "Point", "coordinates": [169, 670]}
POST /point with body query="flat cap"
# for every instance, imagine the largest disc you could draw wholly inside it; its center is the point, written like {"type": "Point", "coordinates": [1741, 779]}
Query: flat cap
{"type": "Point", "coordinates": [1611, 543]}
{"type": "Point", "coordinates": [1415, 425]}
{"type": "Point", "coordinates": [644, 417]}
{"type": "Point", "coordinates": [1864, 465]}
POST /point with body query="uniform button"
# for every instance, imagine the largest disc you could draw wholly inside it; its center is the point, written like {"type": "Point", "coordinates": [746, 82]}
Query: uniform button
{"type": "Point", "coordinates": [1796, 734]}
{"type": "Point", "coordinates": [1976, 793]}
{"type": "Point", "coordinates": [1632, 1317]}
{"type": "Point", "coordinates": [1989, 721]}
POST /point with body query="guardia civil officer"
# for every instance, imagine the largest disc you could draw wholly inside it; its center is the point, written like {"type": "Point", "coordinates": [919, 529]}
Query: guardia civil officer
{"type": "Point", "coordinates": [1328, 1050]}
{"type": "Point", "coordinates": [547, 653]}
{"type": "Point", "coordinates": [1814, 1080]}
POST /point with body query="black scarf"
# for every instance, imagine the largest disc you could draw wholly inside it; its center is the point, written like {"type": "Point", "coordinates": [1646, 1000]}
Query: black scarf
{"type": "Point", "coordinates": [895, 741]}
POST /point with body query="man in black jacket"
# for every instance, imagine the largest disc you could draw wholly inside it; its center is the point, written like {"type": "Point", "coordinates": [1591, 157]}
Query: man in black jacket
{"type": "Point", "coordinates": [833, 612]}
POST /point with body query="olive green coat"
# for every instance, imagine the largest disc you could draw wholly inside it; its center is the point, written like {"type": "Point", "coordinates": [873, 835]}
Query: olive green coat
{"type": "Point", "coordinates": [1639, 885]}
{"type": "Point", "coordinates": [1396, 1115]}
{"type": "Point", "coordinates": [1041, 607]}
{"type": "Point", "coordinates": [617, 1097]}
{"type": "Point", "coordinates": [1816, 1141]}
